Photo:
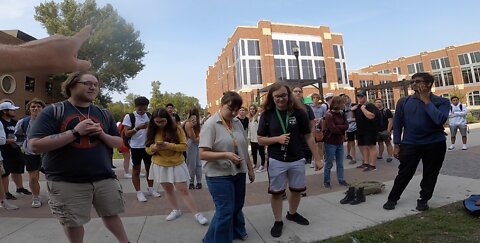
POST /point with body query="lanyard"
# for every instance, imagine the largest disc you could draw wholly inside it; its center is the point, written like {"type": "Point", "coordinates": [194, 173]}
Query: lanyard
{"type": "Point", "coordinates": [235, 145]}
{"type": "Point", "coordinates": [284, 125]}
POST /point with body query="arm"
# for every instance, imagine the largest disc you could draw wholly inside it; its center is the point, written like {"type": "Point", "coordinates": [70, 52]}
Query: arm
{"type": "Point", "coordinates": [190, 132]}
{"type": "Point", "coordinates": [438, 115]}
{"type": "Point", "coordinates": [313, 147]}
{"type": "Point", "coordinates": [398, 121]}
{"type": "Point", "coordinates": [181, 146]}
{"type": "Point", "coordinates": [464, 112]}
{"type": "Point", "coordinates": [3, 136]}
{"type": "Point", "coordinates": [53, 54]}
{"type": "Point", "coordinates": [390, 124]}
{"type": "Point", "coordinates": [265, 141]}
{"type": "Point", "coordinates": [370, 115]}
{"type": "Point", "coordinates": [334, 128]}
{"type": "Point", "coordinates": [110, 141]}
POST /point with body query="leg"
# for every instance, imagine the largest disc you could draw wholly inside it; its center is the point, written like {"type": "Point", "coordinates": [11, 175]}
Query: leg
{"type": "Point", "coordinates": [380, 148]}
{"type": "Point", "coordinates": [329, 156]}
{"type": "Point", "coordinates": [17, 179]}
{"type": "Point", "coordinates": [137, 166]}
{"type": "Point", "coordinates": [221, 227]}
{"type": "Point", "coordinates": [276, 202]}
{"type": "Point", "coordinates": [147, 160]}
{"type": "Point", "coordinates": [261, 152]}
{"type": "Point", "coordinates": [74, 234]}
{"type": "Point", "coordinates": [186, 196]}
{"type": "Point", "coordinates": [388, 143]}
{"type": "Point", "coordinates": [352, 152]}
{"type": "Point", "coordinates": [321, 150]}
{"type": "Point", "coordinates": [239, 229]}
{"type": "Point", "coordinates": [115, 225]}
{"type": "Point", "coordinates": [364, 152]}
{"type": "Point", "coordinates": [254, 147]}
{"type": "Point", "coordinates": [33, 182]}
{"type": "Point", "coordinates": [339, 162]}
{"type": "Point", "coordinates": [126, 162]}
{"type": "Point", "coordinates": [293, 202]}
{"type": "Point", "coordinates": [453, 134]}
{"type": "Point", "coordinates": [410, 156]}
{"type": "Point", "coordinates": [190, 160]}
{"type": "Point", "coordinates": [464, 139]}
{"type": "Point", "coordinates": [372, 155]}
{"type": "Point", "coordinates": [432, 159]}
{"type": "Point", "coordinates": [277, 175]}
{"type": "Point", "coordinates": [5, 183]}
{"type": "Point", "coordinates": [170, 194]}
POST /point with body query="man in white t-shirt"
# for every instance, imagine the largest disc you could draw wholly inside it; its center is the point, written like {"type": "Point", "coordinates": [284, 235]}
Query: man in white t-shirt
{"type": "Point", "coordinates": [138, 135]}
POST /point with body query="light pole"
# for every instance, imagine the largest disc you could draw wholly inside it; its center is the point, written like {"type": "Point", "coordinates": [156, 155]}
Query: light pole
{"type": "Point", "coordinates": [296, 51]}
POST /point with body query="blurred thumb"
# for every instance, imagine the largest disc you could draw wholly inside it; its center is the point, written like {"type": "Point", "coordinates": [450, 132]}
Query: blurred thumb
{"type": "Point", "coordinates": [82, 65]}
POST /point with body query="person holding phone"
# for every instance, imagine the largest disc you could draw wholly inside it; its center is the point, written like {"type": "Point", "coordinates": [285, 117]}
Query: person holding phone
{"type": "Point", "coordinates": [224, 147]}
{"type": "Point", "coordinates": [166, 143]}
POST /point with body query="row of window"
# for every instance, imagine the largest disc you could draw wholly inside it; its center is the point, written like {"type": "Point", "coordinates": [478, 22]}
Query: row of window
{"type": "Point", "coordinates": [9, 85]}
{"type": "Point", "coordinates": [307, 48]}
{"type": "Point", "coordinates": [310, 69]}
{"type": "Point", "coordinates": [469, 58]}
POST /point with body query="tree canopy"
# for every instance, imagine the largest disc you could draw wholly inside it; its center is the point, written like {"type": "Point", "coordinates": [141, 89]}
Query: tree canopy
{"type": "Point", "coordinates": [114, 47]}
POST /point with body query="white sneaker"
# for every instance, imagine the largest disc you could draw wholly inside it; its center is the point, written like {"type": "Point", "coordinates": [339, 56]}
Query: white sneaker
{"type": "Point", "coordinates": [201, 219]}
{"type": "Point", "coordinates": [464, 147]}
{"type": "Point", "coordinates": [141, 197]}
{"type": "Point", "coordinates": [142, 174]}
{"type": "Point", "coordinates": [6, 205]}
{"type": "Point", "coordinates": [36, 202]}
{"type": "Point", "coordinates": [127, 176]}
{"type": "Point", "coordinates": [452, 147]}
{"type": "Point", "coordinates": [151, 191]}
{"type": "Point", "coordinates": [312, 164]}
{"type": "Point", "coordinates": [260, 169]}
{"type": "Point", "coordinates": [174, 214]}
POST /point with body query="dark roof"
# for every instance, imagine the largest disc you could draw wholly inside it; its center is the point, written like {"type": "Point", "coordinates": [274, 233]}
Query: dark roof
{"type": "Point", "coordinates": [20, 35]}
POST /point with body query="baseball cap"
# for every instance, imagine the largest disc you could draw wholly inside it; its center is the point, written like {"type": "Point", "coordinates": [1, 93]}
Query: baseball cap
{"type": "Point", "coordinates": [361, 93]}
{"type": "Point", "coordinates": [329, 95]}
{"type": "Point", "coordinates": [8, 106]}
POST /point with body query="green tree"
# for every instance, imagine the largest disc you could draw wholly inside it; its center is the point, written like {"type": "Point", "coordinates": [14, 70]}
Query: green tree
{"type": "Point", "coordinates": [114, 48]}
{"type": "Point", "coordinates": [182, 102]}
{"type": "Point", "coordinates": [119, 109]}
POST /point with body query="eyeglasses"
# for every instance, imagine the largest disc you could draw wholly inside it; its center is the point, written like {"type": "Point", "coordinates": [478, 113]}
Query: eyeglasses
{"type": "Point", "coordinates": [280, 96]}
{"type": "Point", "coordinates": [89, 84]}
{"type": "Point", "coordinates": [231, 109]}
{"type": "Point", "coordinates": [160, 121]}
{"type": "Point", "coordinates": [417, 81]}
{"type": "Point", "coordinates": [360, 95]}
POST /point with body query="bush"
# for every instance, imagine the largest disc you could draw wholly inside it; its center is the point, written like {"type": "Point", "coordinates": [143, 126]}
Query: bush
{"type": "Point", "coordinates": [471, 118]}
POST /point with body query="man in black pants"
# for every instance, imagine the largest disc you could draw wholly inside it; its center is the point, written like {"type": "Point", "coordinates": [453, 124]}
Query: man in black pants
{"type": "Point", "coordinates": [421, 117]}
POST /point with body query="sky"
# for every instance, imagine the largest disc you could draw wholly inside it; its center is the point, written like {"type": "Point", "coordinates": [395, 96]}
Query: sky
{"type": "Point", "coordinates": [184, 37]}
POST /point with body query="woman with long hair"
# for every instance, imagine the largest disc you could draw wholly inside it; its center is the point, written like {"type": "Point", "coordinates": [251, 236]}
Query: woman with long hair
{"type": "Point", "coordinates": [192, 130]}
{"type": "Point", "coordinates": [253, 118]}
{"type": "Point", "coordinates": [335, 125]}
{"type": "Point", "coordinates": [224, 147]}
{"type": "Point", "coordinates": [166, 143]}
{"type": "Point", "coordinates": [351, 130]}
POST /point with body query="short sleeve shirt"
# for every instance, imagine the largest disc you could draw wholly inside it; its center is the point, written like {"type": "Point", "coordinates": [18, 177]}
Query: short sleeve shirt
{"type": "Point", "coordinates": [139, 138]}
{"type": "Point", "coordinates": [365, 125]}
{"type": "Point", "coordinates": [216, 137]}
{"type": "Point", "coordinates": [298, 127]}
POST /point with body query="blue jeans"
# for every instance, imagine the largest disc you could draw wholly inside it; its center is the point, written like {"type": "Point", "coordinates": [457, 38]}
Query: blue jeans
{"type": "Point", "coordinates": [228, 223]}
{"type": "Point", "coordinates": [333, 151]}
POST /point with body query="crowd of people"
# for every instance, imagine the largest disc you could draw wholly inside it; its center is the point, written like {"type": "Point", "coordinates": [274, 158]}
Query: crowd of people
{"type": "Point", "coordinates": [295, 135]}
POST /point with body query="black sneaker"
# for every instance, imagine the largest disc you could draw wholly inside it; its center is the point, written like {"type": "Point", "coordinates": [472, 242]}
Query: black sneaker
{"type": "Point", "coordinates": [389, 160]}
{"type": "Point", "coordinates": [344, 183]}
{"type": "Point", "coordinates": [297, 218]}
{"type": "Point", "coordinates": [24, 191]}
{"type": "Point", "coordinates": [362, 166]}
{"type": "Point", "coordinates": [276, 230]}
{"type": "Point", "coordinates": [422, 205]}
{"type": "Point", "coordinates": [199, 186]}
{"type": "Point", "coordinates": [389, 205]}
{"type": "Point", "coordinates": [191, 186]}
{"type": "Point", "coordinates": [9, 196]}
{"type": "Point", "coordinates": [303, 194]}
{"type": "Point", "coordinates": [327, 185]}
{"type": "Point", "coordinates": [284, 196]}
{"type": "Point", "coordinates": [349, 157]}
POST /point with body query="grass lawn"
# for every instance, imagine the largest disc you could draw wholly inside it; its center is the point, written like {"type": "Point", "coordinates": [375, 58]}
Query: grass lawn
{"type": "Point", "coordinates": [117, 155]}
{"type": "Point", "coordinates": [450, 223]}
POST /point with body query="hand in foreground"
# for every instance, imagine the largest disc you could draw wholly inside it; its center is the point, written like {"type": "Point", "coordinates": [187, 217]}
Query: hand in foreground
{"type": "Point", "coordinates": [284, 138]}
{"type": "Point", "coordinates": [251, 175]}
{"type": "Point", "coordinates": [396, 151]}
{"type": "Point", "coordinates": [235, 158]}
{"type": "Point", "coordinates": [56, 53]}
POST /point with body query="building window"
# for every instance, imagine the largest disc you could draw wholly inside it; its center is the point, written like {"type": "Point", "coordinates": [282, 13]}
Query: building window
{"type": "Point", "coordinates": [475, 56]}
{"type": "Point", "coordinates": [320, 70]}
{"type": "Point", "coordinates": [446, 95]}
{"type": "Point", "coordinates": [305, 48]}
{"type": "Point", "coordinates": [244, 69]}
{"type": "Point", "coordinates": [243, 47]}
{"type": "Point", "coordinates": [448, 77]}
{"type": "Point", "coordinates": [397, 70]}
{"type": "Point", "coordinates": [370, 93]}
{"type": "Point", "coordinates": [467, 75]}
{"type": "Point", "coordinates": [289, 45]}
{"type": "Point", "coordinates": [476, 73]}
{"type": "Point", "coordinates": [445, 62]}
{"type": "Point", "coordinates": [255, 72]}
{"type": "Point", "coordinates": [278, 48]}
{"type": "Point", "coordinates": [307, 69]}
{"type": "Point", "coordinates": [415, 68]}
{"type": "Point", "coordinates": [474, 98]}
{"type": "Point", "coordinates": [387, 95]}
{"type": "Point", "coordinates": [335, 51]}
{"type": "Point", "coordinates": [338, 66]}
{"type": "Point", "coordinates": [317, 49]}
{"type": "Point", "coordinates": [30, 84]}
{"type": "Point", "coordinates": [49, 88]}
{"type": "Point", "coordinates": [350, 82]}
{"type": "Point", "coordinates": [8, 84]}
{"type": "Point", "coordinates": [435, 64]}
{"type": "Point", "coordinates": [253, 48]}
{"type": "Point", "coordinates": [280, 69]}
{"type": "Point", "coordinates": [437, 77]}
{"type": "Point", "coordinates": [292, 69]}
{"type": "Point", "coordinates": [463, 59]}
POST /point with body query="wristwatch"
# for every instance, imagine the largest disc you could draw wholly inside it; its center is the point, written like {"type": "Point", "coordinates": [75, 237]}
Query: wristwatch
{"type": "Point", "coordinates": [75, 133]}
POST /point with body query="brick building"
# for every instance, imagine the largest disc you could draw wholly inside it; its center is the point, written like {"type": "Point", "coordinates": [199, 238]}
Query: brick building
{"type": "Point", "coordinates": [21, 87]}
{"type": "Point", "coordinates": [257, 56]}
{"type": "Point", "coordinates": [456, 70]}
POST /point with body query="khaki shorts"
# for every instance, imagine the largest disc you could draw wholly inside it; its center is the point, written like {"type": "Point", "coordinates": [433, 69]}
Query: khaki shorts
{"type": "Point", "coordinates": [72, 203]}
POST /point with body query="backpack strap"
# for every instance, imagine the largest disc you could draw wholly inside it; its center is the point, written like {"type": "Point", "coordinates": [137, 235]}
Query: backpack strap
{"type": "Point", "coordinates": [132, 119]}
{"type": "Point", "coordinates": [58, 110]}
{"type": "Point", "coordinates": [25, 122]}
